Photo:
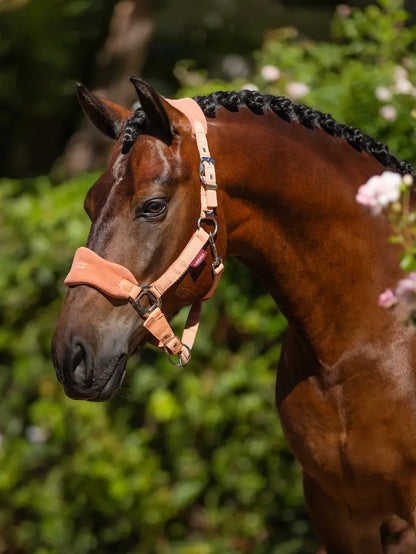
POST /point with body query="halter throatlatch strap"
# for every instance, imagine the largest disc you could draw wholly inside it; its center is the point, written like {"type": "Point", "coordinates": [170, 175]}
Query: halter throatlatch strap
{"type": "Point", "coordinates": [115, 280]}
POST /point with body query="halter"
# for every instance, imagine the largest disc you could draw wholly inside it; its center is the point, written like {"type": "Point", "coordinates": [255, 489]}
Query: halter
{"type": "Point", "coordinates": [115, 280]}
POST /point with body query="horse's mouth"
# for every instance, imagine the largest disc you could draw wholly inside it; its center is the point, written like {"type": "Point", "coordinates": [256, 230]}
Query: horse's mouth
{"type": "Point", "coordinates": [106, 386]}
{"type": "Point", "coordinates": [114, 382]}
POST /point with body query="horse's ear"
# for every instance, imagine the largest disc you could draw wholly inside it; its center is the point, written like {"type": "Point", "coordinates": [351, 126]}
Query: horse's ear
{"type": "Point", "coordinates": [108, 117]}
{"type": "Point", "coordinates": [153, 106]}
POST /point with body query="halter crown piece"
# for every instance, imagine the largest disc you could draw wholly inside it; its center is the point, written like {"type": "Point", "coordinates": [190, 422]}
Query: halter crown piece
{"type": "Point", "coordinates": [88, 268]}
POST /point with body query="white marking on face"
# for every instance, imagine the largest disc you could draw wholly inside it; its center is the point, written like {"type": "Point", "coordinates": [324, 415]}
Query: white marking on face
{"type": "Point", "coordinates": [119, 169]}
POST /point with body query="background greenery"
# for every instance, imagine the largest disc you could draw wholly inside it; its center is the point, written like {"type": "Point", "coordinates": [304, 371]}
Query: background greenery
{"type": "Point", "coordinates": [186, 461]}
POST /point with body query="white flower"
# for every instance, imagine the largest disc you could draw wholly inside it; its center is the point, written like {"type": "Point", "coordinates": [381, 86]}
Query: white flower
{"type": "Point", "coordinates": [297, 89]}
{"type": "Point", "coordinates": [379, 191]}
{"type": "Point", "coordinates": [235, 66]}
{"type": "Point", "coordinates": [249, 86]}
{"type": "Point", "coordinates": [36, 434]}
{"type": "Point", "coordinates": [400, 73]}
{"type": "Point", "coordinates": [388, 112]}
{"type": "Point", "coordinates": [270, 73]}
{"type": "Point", "coordinates": [403, 86]}
{"type": "Point", "coordinates": [383, 94]}
{"type": "Point", "coordinates": [407, 286]}
{"type": "Point", "coordinates": [408, 180]}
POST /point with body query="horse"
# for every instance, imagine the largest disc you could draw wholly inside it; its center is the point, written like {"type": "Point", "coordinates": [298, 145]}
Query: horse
{"type": "Point", "coordinates": [285, 206]}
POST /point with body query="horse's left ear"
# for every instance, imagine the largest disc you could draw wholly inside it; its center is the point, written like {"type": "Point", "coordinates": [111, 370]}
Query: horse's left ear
{"type": "Point", "coordinates": [108, 117]}
{"type": "Point", "coordinates": [155, 107]}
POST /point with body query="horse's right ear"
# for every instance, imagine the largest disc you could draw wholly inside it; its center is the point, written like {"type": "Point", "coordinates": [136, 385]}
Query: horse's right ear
{"type": "Point", "coordinates": [108, 117]}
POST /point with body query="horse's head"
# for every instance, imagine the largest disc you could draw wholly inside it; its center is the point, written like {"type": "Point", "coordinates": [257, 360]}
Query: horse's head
{"type": "Point", "coordinates": [143, 211]}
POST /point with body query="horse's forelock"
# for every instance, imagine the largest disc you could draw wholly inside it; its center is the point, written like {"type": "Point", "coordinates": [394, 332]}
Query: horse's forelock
{"type": "Point", "coordinates": [132, 130]}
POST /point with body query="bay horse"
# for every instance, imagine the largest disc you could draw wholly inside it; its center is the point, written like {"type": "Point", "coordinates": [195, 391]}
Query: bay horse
{"type": "Point", "coordinates": [285, 206]}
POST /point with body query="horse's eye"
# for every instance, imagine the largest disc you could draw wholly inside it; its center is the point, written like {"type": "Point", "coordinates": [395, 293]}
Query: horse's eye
{"type": "Point", "coordinates": [154, 208]}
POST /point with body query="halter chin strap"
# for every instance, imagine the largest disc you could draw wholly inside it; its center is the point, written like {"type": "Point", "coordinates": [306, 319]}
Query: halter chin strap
{"type": "Point", "coordinates": [88, 268]}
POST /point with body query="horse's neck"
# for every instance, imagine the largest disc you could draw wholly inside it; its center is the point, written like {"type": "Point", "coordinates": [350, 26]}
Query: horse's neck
{"type": "Point", "coordinates": [291, 217]}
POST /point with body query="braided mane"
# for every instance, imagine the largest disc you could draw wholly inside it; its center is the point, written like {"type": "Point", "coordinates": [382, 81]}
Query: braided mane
{"type": "Point", "coordinates": [284, 108]}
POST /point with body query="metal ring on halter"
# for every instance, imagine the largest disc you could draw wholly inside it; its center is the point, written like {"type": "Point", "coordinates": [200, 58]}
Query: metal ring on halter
{"type": "Point", "coordinates": [180, 363]}
{"type": "Point", "coordinates": [209, 220]}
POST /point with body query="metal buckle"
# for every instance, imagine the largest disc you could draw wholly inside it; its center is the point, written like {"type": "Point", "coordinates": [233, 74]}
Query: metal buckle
{"type": "Point", "coordinates": [173, 336]}
{"type": "Point", "coordinates": [202, 172]}
{"type": "Point", "coordinates": [209, 219]}
{"type": "Point", "coordinates": [179, 363]}
{"type": "Point", "coordinates": [153, 301]}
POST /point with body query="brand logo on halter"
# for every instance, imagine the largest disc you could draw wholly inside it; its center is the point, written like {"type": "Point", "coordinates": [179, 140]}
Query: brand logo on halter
{"type": "Point", "coordinates": [199, 258]}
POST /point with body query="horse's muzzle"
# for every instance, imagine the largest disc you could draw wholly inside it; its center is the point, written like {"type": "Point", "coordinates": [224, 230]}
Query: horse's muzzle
{"type": "Point", "coordinates": [86, 376]}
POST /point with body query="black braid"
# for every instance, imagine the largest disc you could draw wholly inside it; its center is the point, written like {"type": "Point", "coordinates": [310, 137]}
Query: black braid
{"type": "Point", "coordinates": [283, 107]}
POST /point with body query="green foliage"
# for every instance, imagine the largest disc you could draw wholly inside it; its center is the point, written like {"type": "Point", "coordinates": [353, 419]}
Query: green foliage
{"type": "Point", "coordinates": [371, 49]}
{"type": "Point", "coordinates": [188, 461]}
{"type": "Point", "coordinates": [183, 461]}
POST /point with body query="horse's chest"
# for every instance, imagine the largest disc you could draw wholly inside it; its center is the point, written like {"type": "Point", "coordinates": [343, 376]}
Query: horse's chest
{"type": "Point", "coordinates": [314, 430]}
{"type": "Point", "coordinates": [354, 451]}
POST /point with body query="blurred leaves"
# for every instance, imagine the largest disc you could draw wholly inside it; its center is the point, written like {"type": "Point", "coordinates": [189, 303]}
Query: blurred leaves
{"type": "Point", "coordinates": [182, 461]}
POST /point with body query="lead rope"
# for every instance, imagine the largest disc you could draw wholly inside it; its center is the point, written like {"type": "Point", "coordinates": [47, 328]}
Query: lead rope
{"type": "Point", "coordinates": [117, 281]}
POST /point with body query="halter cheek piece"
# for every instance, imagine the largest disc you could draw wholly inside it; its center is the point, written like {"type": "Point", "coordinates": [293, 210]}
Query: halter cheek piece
{"type": "Point", "coordinates": [88, 268]}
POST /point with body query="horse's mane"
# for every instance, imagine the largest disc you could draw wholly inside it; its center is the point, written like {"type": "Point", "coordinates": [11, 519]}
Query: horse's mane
{"type": "Point", "coordinates": [283, 107]}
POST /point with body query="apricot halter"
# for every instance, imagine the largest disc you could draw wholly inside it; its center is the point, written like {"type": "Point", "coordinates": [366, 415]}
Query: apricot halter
{"type": "Point", "coordinates": [88, 268]}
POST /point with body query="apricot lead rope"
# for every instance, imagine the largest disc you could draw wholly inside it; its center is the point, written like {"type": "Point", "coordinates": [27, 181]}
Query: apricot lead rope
{"type": "Point", "coordinates": [115, 280]}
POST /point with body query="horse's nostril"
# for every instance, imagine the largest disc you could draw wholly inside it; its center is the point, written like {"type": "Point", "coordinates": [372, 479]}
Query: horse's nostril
{"type": "Point", "coordinates": [81, 371]}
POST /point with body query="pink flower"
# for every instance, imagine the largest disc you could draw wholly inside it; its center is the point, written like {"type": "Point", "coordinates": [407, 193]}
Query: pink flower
{"type": "Point", "coordinates": [343, 10]}
{"type": "Point", "coordinates": [406, 298]}
{"type": "Point", "coordinates": [387, 299]}
{"type": "Point", "coordinates": [366, 199]}
{"type": "Point", "coordinates": [270, 73]}
{"type": "Point", "coordinates": [379, 191]}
